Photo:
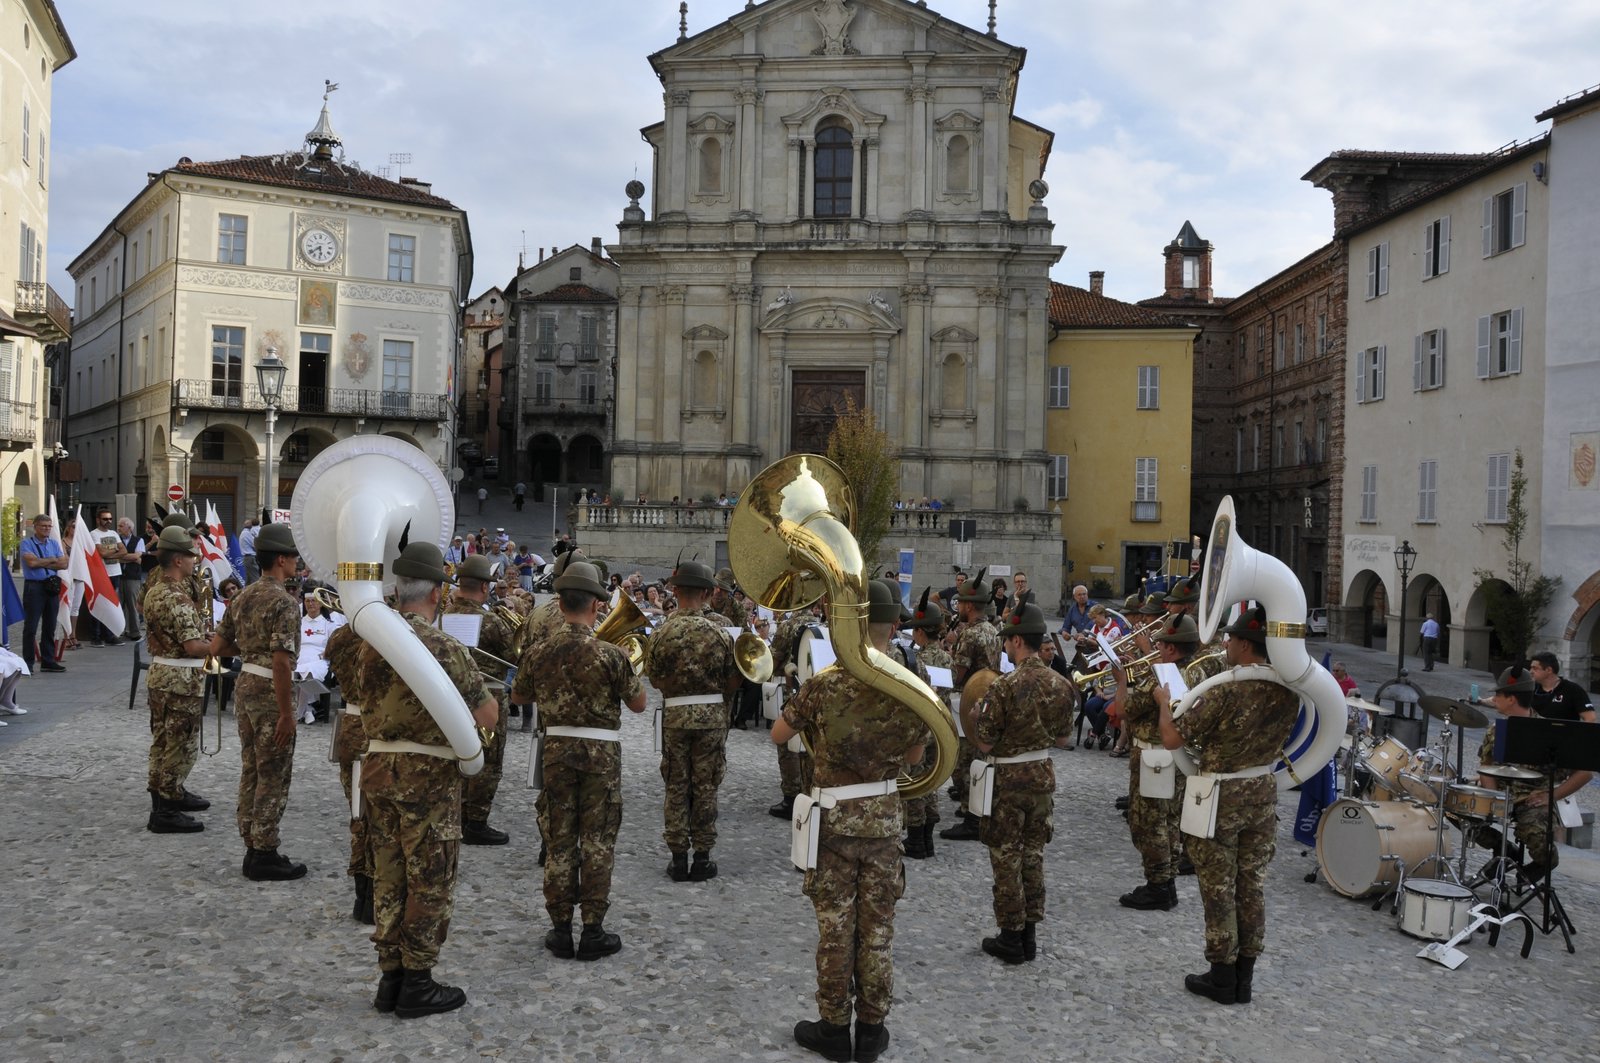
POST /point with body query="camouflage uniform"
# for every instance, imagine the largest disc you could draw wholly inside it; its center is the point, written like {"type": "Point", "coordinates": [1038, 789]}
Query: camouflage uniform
{"type": "Point", "coordinates": [578, 681]}
{"type": "Point", "coordinates": [273, 625]}
{"type": "Point", "coordinates": [859, 735]}
{"type": "Point", "coordinates": [1238, 726]}
{"type": "Point", "coordinates": [725, 603]}
{"type": "Point", "coordinates": [1532, 823]}
{"type": "Point", "coordinates": [925, 809]}
{"type": "Point", "coordinates": [413, 805]}
{"type": "Point", "coordinates": [172, 618]}
{"type": "Point", "coordinates": [977, 648]}
{"type": "Point", "coordinates": [344, 656]}
{"type": "Point", "coordinates": [542, 623]}
{"type": "Point", "coordinates": [1026, 709]}
{"type": "Point", "coordinates": [794, 769]}
{"type": "Point", "coordinates": [691, 654]}
{"type": "Point", "coordinates": [494, 637]}
{"type": "Point", "coordinates": [911, 812]}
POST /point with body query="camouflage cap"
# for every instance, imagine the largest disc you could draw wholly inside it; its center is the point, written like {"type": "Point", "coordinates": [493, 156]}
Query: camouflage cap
{"type": "Point", "coordinates": [1029, 620]}
{"type": "Point", "coordinates": [475, 567]}
{"type": "Point", "coordinates": [278, 539]}
{"type": "Point", "coordinates": [725, 578]}
{"type": "Point", "coordinates": [1180, 630]}
{"type": "Point", "coordinates": [416, 561]}
{"type": "Point", "coordinates": [1252, 625]}
{"type": "Point", "coordinates": [1515, 680]}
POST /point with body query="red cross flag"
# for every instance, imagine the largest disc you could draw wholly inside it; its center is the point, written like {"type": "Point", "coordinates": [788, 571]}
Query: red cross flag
{"type": "Point", "coordinates": [88, 568]}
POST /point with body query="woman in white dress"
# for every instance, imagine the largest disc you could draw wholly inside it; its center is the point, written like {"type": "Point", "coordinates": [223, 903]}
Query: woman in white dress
{"type": "Point", "coordinates": [315, 627]}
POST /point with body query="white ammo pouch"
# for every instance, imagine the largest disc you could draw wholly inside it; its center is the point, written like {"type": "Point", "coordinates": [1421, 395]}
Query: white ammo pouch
{"type": "Point", "coordinates": [1200, 797]}
{"type": "Point", "coordinates": [771, 700]}
{"type": "Point", "coordinates": [953, 698]}
{"type": "Point", "coordinates": [805, 824]}
{"type": "Point", "coordinates": [671, 703]}
{"type": "Point", "coordinates": [980, 779]}
{"type": "Point", "coordinates": [535, 750]}
{"type": "Point", "coordinates": [1158, 772]}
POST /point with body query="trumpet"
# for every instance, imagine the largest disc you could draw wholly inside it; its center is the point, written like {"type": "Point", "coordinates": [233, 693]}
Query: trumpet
{"type": "Point", "coordinates": [329, 600]}
{"type": "Point", "coordinates": [1137, 667]}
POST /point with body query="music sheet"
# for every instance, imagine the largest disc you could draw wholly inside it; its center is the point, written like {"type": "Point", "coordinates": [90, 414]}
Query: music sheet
{"type": "Point", "coordinates": [463, 627]}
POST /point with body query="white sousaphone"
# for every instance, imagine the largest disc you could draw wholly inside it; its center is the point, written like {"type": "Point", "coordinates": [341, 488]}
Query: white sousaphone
{"type": "Point", "coordinates": [1235, 572]}
{"type": "Point", "coordinates": [351, 507]}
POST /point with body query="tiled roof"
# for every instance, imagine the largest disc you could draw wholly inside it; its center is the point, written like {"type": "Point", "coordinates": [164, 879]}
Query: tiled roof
{"type": "Point", "coordinates": [573, 293]}
{"type": "Point", "coordinates": [291, 170]}
{"type": "Point", "coordinates": [1577, 101]}
{"type": "Point", "coordinates": [1406, 156]}
{"type": "Point", "coordinates": [1080, 308]}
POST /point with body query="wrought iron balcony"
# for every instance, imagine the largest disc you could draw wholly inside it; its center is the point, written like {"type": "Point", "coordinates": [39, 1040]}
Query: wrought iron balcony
{"type": "Point", "coordinates": [18, 427]}
{"type": "Point", "coordinates": [191, 394]}
{"type": "Point", "coordinates": [41, 309]}
{"type": "Point", "coordinates": [545, 409]}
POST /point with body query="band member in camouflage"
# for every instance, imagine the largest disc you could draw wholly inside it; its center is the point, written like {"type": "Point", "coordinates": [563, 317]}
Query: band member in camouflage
{"type": "Point", "coordinates": [474, 576]}
{"type": "Point", "coordinates": [794, 769]}
{"type": "Point", "coordinates": [922, 813]}
{"type": "Point", "coordinates": [175, 631]}
{"type": "Point", "coordinates": [350, 745]}
{"type": "Point", "coordinates": [977, 648]}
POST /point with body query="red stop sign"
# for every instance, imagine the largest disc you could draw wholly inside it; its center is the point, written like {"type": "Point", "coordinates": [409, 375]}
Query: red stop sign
{"type": "Point", "coordinates": [175, 493]}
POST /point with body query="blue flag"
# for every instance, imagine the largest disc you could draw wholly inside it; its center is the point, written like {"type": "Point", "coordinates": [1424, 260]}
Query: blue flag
{"type": "Point", "coordinates": [236, 557]}
{"type": "Point", "coordinates": [10, 607]}
{"type": "Point", "coordinates": [1316, 795]}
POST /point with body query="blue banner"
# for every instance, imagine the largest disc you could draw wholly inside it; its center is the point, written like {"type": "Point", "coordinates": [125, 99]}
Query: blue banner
{"type": "Point", "coordinates": [10, 607]}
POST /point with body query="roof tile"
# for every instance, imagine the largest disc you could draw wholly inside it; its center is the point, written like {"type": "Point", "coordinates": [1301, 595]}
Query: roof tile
{"type": "Point", "coordinates": [293, 170]}
{"type": "Point", "coordinates": [1080, 308]}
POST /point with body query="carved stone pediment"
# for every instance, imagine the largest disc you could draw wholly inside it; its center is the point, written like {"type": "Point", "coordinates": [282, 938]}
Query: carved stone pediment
{"type": "Point", "coordinates": [829, 314]}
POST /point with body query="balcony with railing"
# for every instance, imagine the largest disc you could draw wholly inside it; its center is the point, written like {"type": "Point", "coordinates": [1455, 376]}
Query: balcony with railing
{"type": "Point", "coordinates": [191, 394]}
{"type": "Point", "coordinates": [18, 427]}
{"type": "Point", "coordinates": [545, 408]}
{"type": "Point", "coordinates": [44, 311]}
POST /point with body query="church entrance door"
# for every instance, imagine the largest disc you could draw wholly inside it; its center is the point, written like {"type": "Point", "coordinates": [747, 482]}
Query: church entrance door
{"type": "Point", "coordinates": [817, 399]}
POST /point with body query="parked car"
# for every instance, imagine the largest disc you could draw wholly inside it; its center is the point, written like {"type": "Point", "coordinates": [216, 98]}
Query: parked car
{"type": "Point", "coordinates": [491, 468]}
{"type": "Point", "coordinates": [1317, 621]}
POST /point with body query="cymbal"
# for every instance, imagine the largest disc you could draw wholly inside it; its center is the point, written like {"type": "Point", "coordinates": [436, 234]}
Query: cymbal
{"type": "Point", "coordinates": [1452, 712]}
{"type": "Point", "coordinates": [1369, 706]}
{"type": "Point", "coordinates": [1508, 771]}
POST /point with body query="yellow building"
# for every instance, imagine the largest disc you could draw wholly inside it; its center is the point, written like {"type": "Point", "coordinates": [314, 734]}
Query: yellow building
{"type": "Point", "coordinates": [1119, 423]}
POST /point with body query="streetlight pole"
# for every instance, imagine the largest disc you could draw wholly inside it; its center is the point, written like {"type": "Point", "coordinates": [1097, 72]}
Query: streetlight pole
{"type": "Point", "coordinates": [269, 377]}
{"type": "Point", "coordinates": [1404, 558]}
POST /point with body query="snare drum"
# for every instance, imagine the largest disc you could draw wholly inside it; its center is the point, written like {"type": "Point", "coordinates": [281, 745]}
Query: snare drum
{"type": "Point", "coordinates": [1421, 787]}
{"type": "Point", "coordinates": [1386, 762]}
{"type": "Point", "coordinates": [1434, 910]}
{"type": "Point", "coordinates": [1362, 845]}
{"type": "Point", "coordinates": [1475, 802]}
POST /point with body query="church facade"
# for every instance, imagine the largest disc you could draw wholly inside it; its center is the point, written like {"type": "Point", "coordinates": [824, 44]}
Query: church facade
{"type": "Point", "coordinates": [843, 209]}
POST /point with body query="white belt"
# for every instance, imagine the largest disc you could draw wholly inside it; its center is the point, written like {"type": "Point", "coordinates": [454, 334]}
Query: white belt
{"type": "Point", "coordinates": [379, 745]}
{"type": "Point", "coordinates": [860, 790]}
{"type": "Point", "coordinates": [352, 710]}
{"type": "Point", "coordinates": [598, 734]}
{"type": "Point", "coordinates": [1248, 773]}
{"type": "Point", "coordinates": [694, 699]}
{"type": "Point", "coordinates": [1147, 745]}
{"type": "Point", "coordinates": [179, 662]}
{"type": "Point", "coordinates": [1023, 758]}
{"type": "Point", "coordinates": [256, 669]}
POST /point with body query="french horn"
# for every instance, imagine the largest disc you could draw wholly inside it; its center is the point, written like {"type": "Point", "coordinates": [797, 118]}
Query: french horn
{"type": "Point", "coordinates": [353, 504]}
{"type": "Point", "coordinates": [789, 543]}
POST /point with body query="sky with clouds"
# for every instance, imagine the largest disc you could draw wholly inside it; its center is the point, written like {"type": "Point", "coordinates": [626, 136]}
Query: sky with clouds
{"type": "Point", "coordinates": [527, 114]}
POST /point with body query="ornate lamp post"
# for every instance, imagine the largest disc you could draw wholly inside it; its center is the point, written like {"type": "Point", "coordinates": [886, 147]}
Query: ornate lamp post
{"type": "Point", "coordinates": [269, 377]}
{"type": "Point", "coordinates": [1405, 558]}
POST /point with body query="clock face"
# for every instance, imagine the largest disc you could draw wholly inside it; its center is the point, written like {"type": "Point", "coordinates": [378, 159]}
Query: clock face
{"type": "Point", "coordinates": [319, 246]}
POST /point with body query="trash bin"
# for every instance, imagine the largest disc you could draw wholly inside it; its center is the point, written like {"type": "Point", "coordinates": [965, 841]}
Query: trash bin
{"type": "Point", "coordinates": [1408, 724]}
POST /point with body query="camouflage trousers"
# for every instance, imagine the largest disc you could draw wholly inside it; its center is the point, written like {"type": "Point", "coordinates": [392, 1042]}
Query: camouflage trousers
{"type": "Point", "coordinates": [413, 881]}
{"type": "Point", "coordinates": [1016, 832]}
{"type": "Point", "coordinates": [959, 779]}
{"type": "Point", "coordinates": [1533, 831]}
{"type": "Point", "coordinates": [794, 773]}
{"type": "Point", "coordinates": [1153, 824]}
{"type": "Point", "coordinates": [478, 794]}
{"type": "Point", "coordinates": [174, 741]}
{"type": "Point", "coordinates": [1232, 868]}
{"type": "Point", "coordinates": [692, 765]}
{"type": "Point", "coordinates": [360, 843]}
{"type": "Point", "coordinates": [264, 772]}
{"type": "Point", "coordinates": [920, 811]}
{"type": "Point", "coordinates": [579, 814]}
{"type": "Point", "coordinates": [854, 888]}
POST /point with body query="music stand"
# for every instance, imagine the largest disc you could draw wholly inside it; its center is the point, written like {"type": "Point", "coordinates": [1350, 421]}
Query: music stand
{"type": "Point", "coordinates": [1552, 744]}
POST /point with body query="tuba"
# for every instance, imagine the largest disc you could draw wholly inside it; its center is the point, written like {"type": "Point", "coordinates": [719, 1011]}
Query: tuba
{"type": "Point", "coordinates": [1233, 572]}
{"type": "Point", "coordinates": [352, 506]}
{"type": "Point", "coordinates": [626, 628]}
{"type": "Point", "coordinates": [789, 542]}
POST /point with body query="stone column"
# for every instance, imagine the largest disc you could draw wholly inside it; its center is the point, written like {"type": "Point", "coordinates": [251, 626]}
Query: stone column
{"type": "Point", "coordinates": [872, 177]}
{"type": "Point", "coordinates": [917, 195]}
{"type": "Point", "coordinates": [677, 130]}
{"type": "Point", "coordinates": [915, 299]}
{"type": "Point", "coordinates": [749, 134]}
{"type": "Point", "coordinates": [808, 164]}
{"type": "Point", "coordinates": [745, 373]}
{"type": "Point", "coordinates": [991, 384]}
{"type": "Point", "coordinates": [791, 194]}
{"type": "Point", "coordinates": [994, 138]}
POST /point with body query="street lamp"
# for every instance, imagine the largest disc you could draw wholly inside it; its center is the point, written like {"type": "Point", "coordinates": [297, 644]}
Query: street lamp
{"type": "Point", "coordinates": [1405, 557]}
{"type": "Point", "coordinates": [269, 378]}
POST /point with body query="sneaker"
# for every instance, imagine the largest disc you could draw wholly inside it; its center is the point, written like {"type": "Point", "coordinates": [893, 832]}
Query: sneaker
{"type": "Point", "coordinates": [13, 710]}
{"type": "Point", "coordinates": [52, 668]}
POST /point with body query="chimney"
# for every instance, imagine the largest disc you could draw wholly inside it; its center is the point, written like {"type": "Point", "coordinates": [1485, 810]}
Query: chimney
{"type": "Point", "coordinates": [596, 248]}
{"type": "Point", "coordinates": [419, 185]}
{"type": "Point", "coordinates": [541, 254]}
{"type": "Point", "coordinates": [1097, 282]}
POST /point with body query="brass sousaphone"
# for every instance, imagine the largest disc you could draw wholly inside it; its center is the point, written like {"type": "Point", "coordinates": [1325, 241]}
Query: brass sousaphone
{"type": "Point", "coordinates": [789, 543]}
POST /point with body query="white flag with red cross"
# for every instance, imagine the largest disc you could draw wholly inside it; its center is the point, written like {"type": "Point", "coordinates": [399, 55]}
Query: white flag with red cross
{"type": "Point", "coordinates": [88, 568]}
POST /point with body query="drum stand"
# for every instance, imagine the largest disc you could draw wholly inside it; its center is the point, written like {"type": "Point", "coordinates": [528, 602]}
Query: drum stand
{"type": "Point", "coordinates": [1555, 913]}
{"type": "Point", "coordinates": [1438, 857]}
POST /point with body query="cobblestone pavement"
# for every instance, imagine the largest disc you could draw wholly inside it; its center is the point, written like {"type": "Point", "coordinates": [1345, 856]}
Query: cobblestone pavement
{"type": "Point", "coordinates": [118, 944]}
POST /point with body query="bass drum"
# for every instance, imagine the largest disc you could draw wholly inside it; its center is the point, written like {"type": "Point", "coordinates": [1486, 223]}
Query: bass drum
{"type": "Point", "coordinates": [1362, 846]}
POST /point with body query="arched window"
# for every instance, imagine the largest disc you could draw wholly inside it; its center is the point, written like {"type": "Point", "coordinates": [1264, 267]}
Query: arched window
{"type": "Point", "coordinates": [705, 380]}
{"type": "Point", "coordinates": [958, 164]}
{"type": "Point", "coordinates": [835, 167]}
{"type": "Point", "coordinates": [953, 382]}
{"type": "Point", "coordinates": [711, 166]}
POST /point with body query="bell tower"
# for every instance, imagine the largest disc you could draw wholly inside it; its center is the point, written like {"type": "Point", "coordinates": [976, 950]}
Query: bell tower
{"type": "Point", "coordinates": [1188, 266]}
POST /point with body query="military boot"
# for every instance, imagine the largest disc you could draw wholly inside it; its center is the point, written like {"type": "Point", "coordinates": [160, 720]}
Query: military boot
{"type": "Point", "coordinates": [362, 911]}
{"type": "Point", "coordinates": [824, 1038]}
{"type": "Point", "coordinates": [871, 1039]}
{"type": "Point", "coordinates": [678, 870]}
{"type": "Point", "coordinates": [559, 940]}
{"type": "Point", "coordinates": [1030, 943]}
{"type": "Point", "coordinates": [251, 858]}
{"type": "Point", "coordinates": [192, 802]}
{"type": "Point", "coordinates": [421, 995]}
{"type": "Point", "coordinates": [1244, 974]}
{"type": "Point", "coordinates": [703, 867]}
{"type": "Point", "coordinates": [478, 832]}
{"type": "Point", "coordinates": [1007, 947]}
{"type": "Point", "coordinates": [596, 942]}
{"type": "Point", "coordinates": [1185, 865]}
{"type": "Point", "coordinates": [927, 840]}
{"type": "Point", "coordinates": [1221, 983]}
{"type": "Point", "coordinates": [389, 990]}
{"type": "Point", "coordinates": [166, 818]}
{"type": "Point", "coordinates": [273, 866]}
{"type": "Point", "coordinates": [527, 722]}
{"type": "Point", "coordinates": [1151, 897]}
{"type": "Point", "coordinates": [913, 843]}
{"type": "Point", "coordinates": [965, 829]}
{"type": "Point", "coordinates": [784, 809]}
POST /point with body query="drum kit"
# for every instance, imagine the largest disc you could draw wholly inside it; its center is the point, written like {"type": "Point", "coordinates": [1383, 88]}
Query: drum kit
{"type": "Point", "coordinates": [1387, 834]}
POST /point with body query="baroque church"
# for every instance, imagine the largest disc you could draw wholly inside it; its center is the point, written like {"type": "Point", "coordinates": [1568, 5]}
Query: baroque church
{"type": "Point", "coordinates": [843, 207]}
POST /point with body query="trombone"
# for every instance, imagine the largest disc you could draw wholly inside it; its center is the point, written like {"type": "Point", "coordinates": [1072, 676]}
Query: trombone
{"type": "Point", "coordinates": [1136, 669]}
